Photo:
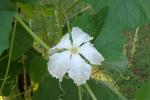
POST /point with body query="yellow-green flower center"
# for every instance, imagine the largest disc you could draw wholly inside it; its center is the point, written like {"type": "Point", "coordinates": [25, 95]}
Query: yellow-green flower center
{"type": "Point", "coordinates": [73, 50]}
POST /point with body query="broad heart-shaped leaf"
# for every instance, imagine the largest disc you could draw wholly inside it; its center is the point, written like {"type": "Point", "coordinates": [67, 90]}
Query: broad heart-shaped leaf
{"type": "Point", "coordinates": [36, 65]}
{"type": "Point", "coordinates": [110, 41]}
{"type": "Point", "coordinates": [91, 23]}
{"type": "Point", "coordinates": [50, 88]}
{"type": "Point", "coordinates": [143, 92]}
{"type": "Point", "coordinates": [132, 13]}
{"type": "Point", "coordinates": [6, 18]}
{"type": "Point", "coordinates": [120, 65]}
{"type": "Point", "coordinates": [22, 42]}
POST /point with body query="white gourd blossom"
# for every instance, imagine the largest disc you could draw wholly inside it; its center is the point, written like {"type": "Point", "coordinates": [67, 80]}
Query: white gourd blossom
{"type": "Point", "coordinates": [70, 60]}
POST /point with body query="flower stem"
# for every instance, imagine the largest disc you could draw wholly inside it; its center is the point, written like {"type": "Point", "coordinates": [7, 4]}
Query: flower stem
{"type": "Point", "coordinates": [9, 58]}
{"type": "Point", "coordinates": [35, 37]}
{"type": "Point", "coordinates": [79, 91]}
{"type": "Point", "coordinates": [90, 92]}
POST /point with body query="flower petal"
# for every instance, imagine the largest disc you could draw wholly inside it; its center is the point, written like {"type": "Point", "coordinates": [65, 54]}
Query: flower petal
{"type": "Point", "coordinates": [64, 42]}
{"type": "Point", "coordinates": [91, 54]}
{"type": "Point", "coordinates": [79, 36]}
{"type": "Point", "coordinates": [79, 70]}
{"type": "Point", "coordinates": [58, 64]}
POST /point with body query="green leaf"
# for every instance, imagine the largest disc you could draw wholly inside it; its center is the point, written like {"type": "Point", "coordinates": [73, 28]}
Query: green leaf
{"type": "Point", "coordinates": [22, 42]}
{"type": "Point", "coordinates": [131, 12]}
{"type": "Point", "coordinates": [50, 88]}
{"type": "Point", "coordinates": [120, 65]}
{"type": "Point", "coordinates": [36, 65]}
{"type": "Point", "coordinates": [5, 5]}
{"type": "Point", "coordinates": [103, 92]}
{"type": "Point", "coordinates": [143, 92]}
{"type": "Point", "coordinates": [6, 18]}
{"type": "Point", "coordinates": [110, 41]}
{"type": "Point", "coordinates": [91, 23]}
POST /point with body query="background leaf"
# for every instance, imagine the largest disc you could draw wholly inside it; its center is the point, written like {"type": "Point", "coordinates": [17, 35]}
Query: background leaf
{"type": "Point", "coordinates": [143, 92]}
{"type": "Point", "coordinates": [110, 41]}
{"type": "Point", "coordinates": [120, 65]}
{"type": "Point", "coordinates": [100, 90]}
{"type": "Point", "coordinates": [6, 19]}
{"type": "Point", "coordinates": [36, 65]}
{"type": "Point", "coordinates": [131, 12]}
{"type": "Point", "coordinates": [22, 42]}
{"type": "Point", "coordinates": [91, 23]}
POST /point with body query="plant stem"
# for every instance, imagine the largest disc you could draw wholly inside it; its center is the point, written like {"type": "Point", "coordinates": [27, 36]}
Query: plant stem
{"type": "Point", "coordinates": [60, 18]}
{"type": "Point", "coordinates": [35, 37]}
{"type": "Point", "coordinates": [133, 50]}
{"type": "Point", "coordinates": [90, 92]}
{"type": "Point", "coordinates": [9, 58]}
{"type": "Point", "coordinates": [72, 6]}
{"type": "Point", "coordinates": [79, 91]}
{"type": "Point", "coordinates": [44, 33]}
{"type": "Point", "coordinates": [52, 26]}
{"type": "Point", "coordinates": [67, 21]}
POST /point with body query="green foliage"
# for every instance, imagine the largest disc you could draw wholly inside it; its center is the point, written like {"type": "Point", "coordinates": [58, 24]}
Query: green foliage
{"type": "Point", "coordinates": [91, 23]}
{"type": "Point", "coordinates": [143, 92]}
{"type": "Point", "coordinates": [131, 13]}
{"type": "Point", "coordinates": [120, 65]}
{"type": "Point", "coordinates": [67, 90]}
{"type": "Point", "coordinates": [6, 19]}
{"type": "Point", "coordinates": [106, 22]}
{"type": "Point", "coordinates": [15, 69]}
{"type": "Point", "coordinates": [36, 65]}
{"type": "Point", "coordinates": [22, 42]}
{"type": "Point", "coordinates": [138, 73]}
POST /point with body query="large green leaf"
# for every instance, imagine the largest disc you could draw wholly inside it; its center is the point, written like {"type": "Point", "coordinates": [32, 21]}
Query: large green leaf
{"type": "Point", "coordinates": [143, 92]}
{"type": "Point", "coordinates": [131, 12]}
{"type": "Point", "coordinates": [22, 42]}
{"type": "Point", "coordinates": [91, 23]}
{"type": "Point", "coordinates": [36, 65]}
{"type": "Point", "coordinates": [6, 18]}
{"type": "Point", "coordinates": [5, 5]}
{"type": "Point", "coordinates": [50, 88]}
{"type": "Point", "coordinates": [110, 41]}
{"type": "Point", "coordinates": [120, 65]}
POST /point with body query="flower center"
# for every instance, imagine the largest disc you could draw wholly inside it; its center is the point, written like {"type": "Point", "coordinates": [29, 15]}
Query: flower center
{"type": "Point", "coordinates": [73, 50]}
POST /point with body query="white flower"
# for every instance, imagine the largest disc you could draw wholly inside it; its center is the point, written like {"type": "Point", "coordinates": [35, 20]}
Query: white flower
{"type": "Point", "coordinates": [70, 61]}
